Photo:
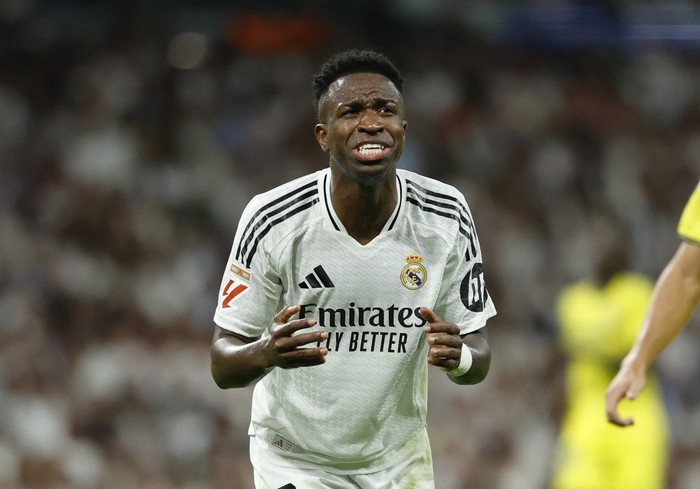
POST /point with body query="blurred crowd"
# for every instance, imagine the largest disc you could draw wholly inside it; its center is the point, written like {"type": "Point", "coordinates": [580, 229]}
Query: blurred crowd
{"type": "Point", "coordinates": [133, 133]}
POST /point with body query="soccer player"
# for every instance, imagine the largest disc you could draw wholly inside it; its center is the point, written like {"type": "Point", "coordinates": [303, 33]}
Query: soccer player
{"type": "Point", "coordinates": [598, 320]}
{"type": "Point", "coordinates": [341, 288]}
{"type": "Point", "coordinates": [676, 294]}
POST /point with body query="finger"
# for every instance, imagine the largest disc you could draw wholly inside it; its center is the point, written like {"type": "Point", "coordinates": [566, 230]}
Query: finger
{"type": "Point", "coordinates": [286, 314]}
{"type": "Point", "coordinates": [305, 357]}
{"type": "Point", "coordinates": [444, 360]}
{"type": "Point", "coordinates": [289, 327]}
{"type": "Point", "coordinates": [286, 332]}
{"type": "Point", "coordinates": [633, 392]}
{"type": "Point", "coordinates": [288, 343]}
{"type": "Point", "coordinates": [615, 418]}
{"type": "Point", "coordinates": [429, 315]}
{"type": "Point", "coordinates": [612, 400]}
{"type": "Point", "coordinates": [443, 333]}
{"type": "Point", "coordinates": [445, 352]}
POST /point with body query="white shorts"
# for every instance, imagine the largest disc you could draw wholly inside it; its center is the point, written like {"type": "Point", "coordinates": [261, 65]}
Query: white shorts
{"type": "Point", "coordinates": [272, 472]}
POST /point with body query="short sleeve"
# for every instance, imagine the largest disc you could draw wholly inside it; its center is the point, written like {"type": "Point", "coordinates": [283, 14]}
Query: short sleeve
{"type": "Point", "coordinates": [689, 224]}
{"type": "Point", "coordinates": [250, 291]}
{"type": "Point", "coordinates": [464, 298]}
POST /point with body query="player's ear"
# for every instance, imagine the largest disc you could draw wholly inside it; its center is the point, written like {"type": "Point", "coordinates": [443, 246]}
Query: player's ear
{"type": "Point", "coordinates": [321, 132]}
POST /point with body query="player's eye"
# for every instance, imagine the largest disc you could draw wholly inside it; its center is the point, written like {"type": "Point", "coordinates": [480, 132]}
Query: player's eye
{"type": "Point", "coordinates": [349, 110]}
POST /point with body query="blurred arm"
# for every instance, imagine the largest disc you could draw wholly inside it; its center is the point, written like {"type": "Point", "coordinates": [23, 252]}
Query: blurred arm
{"type": "Point", "coordinates": [675, 297]}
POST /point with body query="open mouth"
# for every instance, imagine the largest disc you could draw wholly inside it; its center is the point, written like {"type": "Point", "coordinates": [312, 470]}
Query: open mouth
{"type": "Point", "coordinates": [370, 151]}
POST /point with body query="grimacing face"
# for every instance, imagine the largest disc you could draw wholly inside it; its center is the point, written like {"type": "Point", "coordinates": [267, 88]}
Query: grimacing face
{"type": "Point", "coordinates": [362, 125]}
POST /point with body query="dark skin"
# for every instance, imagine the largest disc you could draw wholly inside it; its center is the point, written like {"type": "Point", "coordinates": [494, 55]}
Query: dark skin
{"type": "Point", "coordinates": [358, 111]}
{"type": "Point", "coordinates": [363, 131]}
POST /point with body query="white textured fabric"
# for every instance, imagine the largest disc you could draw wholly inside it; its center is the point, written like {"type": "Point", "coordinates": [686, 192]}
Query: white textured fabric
{"type": "Point", "coordinates": [354, 412]}
{"type": "Point", "coordinates": [272, 471]}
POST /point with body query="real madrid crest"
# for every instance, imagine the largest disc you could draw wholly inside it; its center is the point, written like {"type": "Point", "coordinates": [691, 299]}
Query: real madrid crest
{"type": "Point", "coordinates": [414, 274]}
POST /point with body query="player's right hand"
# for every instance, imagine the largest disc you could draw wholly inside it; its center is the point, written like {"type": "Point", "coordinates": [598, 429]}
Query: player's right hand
{"type": "Point", "coordinates": [628, 383]}
{"type": "Point", "coordinates": [283, 348]}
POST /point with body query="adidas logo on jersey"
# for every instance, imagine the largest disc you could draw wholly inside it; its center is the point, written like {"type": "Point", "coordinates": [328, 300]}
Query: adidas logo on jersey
{"type": "Point", "coordinates": [283, 444]}
{"type": "Point", "coordinates": [318, 279]}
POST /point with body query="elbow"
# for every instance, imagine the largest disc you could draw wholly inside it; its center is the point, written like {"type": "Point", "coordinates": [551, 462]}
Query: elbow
{"type": "Point", "coordinates": [225, 381]}
{"type": "Point", "coordinates": [219, 379]}
{"type": "Point", "coordinates": [223, 377]}
{"type": "Point", "coordinates": [225, 367]}
{"type": "Point", "coordinates": [228, 377]}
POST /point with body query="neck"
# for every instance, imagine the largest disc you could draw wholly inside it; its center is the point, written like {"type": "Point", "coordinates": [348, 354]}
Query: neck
{"type": "Point", "coordinates": [364, 210]}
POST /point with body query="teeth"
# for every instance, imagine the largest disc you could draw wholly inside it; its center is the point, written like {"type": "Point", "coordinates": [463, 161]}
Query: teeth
{"type": "Point", "coordinates": [370, 149]}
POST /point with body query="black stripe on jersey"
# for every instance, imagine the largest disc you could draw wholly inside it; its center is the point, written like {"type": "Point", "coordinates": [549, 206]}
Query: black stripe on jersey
{"type": "Point", "coordinates": [252, 225]}
{"type": "Point", "coordinates": [272, 224]}
{"type": "Point", "coordinates": [459, 211]}
{"type": "Point", "coordinates": [452, 203]}
{"type": "Point", "coordinates": [264, 214]}
{"type": "Point", "coordinates": [327, 201]}
{"type": "Point", "coordinates": [399, 189]}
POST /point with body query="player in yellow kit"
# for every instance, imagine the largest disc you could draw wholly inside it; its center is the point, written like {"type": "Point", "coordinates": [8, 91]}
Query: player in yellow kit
{"type": "Point", "coordinates": [599, 319]}
{"type": "Point", "coordinates": [676, 295]}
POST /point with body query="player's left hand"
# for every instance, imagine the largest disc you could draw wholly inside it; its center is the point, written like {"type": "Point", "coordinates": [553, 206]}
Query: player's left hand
{"type": "Point", "coordinates": [628, 383]}
{"type": "Point", "coordinates": [444, 341]}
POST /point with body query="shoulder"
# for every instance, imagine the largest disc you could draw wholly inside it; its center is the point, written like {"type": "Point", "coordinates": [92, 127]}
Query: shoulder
{"type": "Point", "coordinates": [577, 300]}
{"type": "Point", "coordinates": [436, 203]}
{"type": "Point", "coordinates": [284, 201]}
{"type": "Point", "coordinates": [275, 213]}
{"type": "Point", "coordinates": [431, 186]}
{"type": "Point", "coordinates": [631, 283]}
{"type": "Point", "coordinates": [296, 189]}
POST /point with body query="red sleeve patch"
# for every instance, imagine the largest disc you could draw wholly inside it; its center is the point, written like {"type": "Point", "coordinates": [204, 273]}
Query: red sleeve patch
{"type": "Point", "coordinates": [231, 291]}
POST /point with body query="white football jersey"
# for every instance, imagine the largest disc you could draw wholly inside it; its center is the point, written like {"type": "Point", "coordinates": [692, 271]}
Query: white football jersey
{"type": "Point", "coordinates": [369, 398]}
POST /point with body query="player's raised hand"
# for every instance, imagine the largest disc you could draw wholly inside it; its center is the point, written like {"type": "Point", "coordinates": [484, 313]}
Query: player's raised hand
{"type": "Point", "coordinates": [283, 348]}
{"type": "Point", "coordinates": [444, 341]}
{"type": "Point", "coordinates": [628, 383]}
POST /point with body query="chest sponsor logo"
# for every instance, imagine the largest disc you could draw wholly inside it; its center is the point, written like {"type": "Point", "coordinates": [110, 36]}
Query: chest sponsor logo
{"type": "Point", "coordinates": [358, 328]}
{"type": "Point", "coordinates": [232, 290]}
{"type": "Point", "coordinates": [414, 273]}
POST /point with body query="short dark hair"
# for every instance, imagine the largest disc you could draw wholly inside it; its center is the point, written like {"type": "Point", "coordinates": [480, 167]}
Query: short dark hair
{"type": "Point", "coordinates": [354, 61]}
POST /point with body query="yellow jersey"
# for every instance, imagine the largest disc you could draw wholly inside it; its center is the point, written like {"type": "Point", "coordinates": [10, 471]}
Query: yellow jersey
{"type": "Point", "coordinates": [689, 224]}
{"type": "Point", "coordinates": [598, 324]}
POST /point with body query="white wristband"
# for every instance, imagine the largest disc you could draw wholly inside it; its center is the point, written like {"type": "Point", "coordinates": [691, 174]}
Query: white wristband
{"type": "Point", "coordinates": [465, 363]}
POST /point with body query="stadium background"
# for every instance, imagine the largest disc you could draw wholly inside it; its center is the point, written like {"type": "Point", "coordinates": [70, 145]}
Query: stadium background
{"type": "Point", "coordinates": [133, 132]}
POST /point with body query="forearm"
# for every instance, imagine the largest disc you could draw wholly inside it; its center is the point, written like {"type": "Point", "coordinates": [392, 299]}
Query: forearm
{"type": "Point", "coordinates": [481, 359]}
{"type": "Point", "coordinates": [675, 297]}
{"type": "Point", "coordinates": [235, 363]}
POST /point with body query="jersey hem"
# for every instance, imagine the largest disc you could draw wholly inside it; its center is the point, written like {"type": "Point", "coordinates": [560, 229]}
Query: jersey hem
{"type": "Point", "coordinates": [300, 458]}
{"type": "Point", "coordinates": [221, 321]}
